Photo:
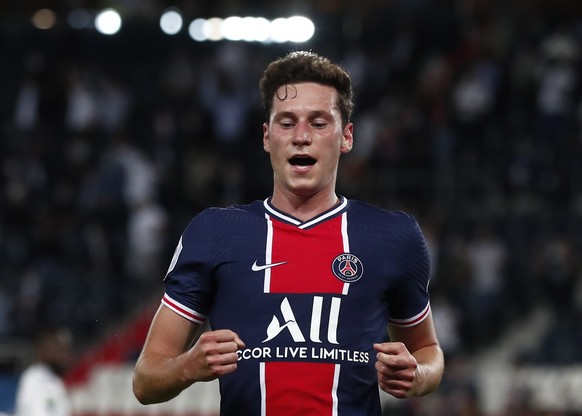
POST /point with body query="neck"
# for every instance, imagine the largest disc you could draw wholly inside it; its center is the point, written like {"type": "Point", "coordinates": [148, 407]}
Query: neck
{"type": "Point", "coordinates": [304, 207]}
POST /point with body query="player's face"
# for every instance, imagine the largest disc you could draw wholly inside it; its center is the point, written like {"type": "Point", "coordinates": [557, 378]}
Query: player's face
{"type": "Point", "coordinates": [305, 138]}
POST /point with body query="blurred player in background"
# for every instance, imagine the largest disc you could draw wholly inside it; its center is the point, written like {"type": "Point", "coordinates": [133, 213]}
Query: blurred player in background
{"type": "Point", "coordinates": [298, 290]}
{"type": "Point", "coordinates": [41, 390]}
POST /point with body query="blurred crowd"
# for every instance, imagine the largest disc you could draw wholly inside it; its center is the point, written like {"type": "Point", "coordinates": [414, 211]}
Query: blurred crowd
{"type": "Point", "coordinates": [468, 115]}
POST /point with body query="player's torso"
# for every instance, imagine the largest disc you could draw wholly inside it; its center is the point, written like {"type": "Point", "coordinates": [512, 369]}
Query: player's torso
{"type": "Point", "coordinates": [309, 301]}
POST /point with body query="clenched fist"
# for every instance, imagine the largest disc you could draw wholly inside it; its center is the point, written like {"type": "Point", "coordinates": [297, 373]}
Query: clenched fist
{"type": "Point", "coordinates": [213, 355]}
{"type": "Point", "coordinates": [396, 369]}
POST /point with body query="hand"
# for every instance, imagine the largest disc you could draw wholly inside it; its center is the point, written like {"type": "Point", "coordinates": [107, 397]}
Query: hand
{"type": "Point", "coordinates": [396, 368]}
{"type": "Point", "coordinates": [213, 355]}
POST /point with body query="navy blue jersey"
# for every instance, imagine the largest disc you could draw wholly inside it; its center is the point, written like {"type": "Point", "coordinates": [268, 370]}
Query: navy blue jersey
{"type": "Point", "coordinates": [309, 300]}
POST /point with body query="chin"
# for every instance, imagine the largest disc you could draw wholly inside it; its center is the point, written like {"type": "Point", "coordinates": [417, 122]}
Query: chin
{"type": "Point", "coordinates": [304, 190]}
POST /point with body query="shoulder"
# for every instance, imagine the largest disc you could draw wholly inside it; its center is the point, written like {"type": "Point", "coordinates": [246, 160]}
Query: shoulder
{"type": "Point", "coordinates": [38, 375]}
{"type": "Point", "coordinates": [36, 371]}
{"type": "Point", "coordinates": [215, 224]}
{"type": "Point", "coordinates": [373, 214]}
{"type": "Point", "coordinates": [254, 208]}
{"type": "Point", "coordinates": [397, 229]}
{"type": "Point", "coordinates": [216, 216]}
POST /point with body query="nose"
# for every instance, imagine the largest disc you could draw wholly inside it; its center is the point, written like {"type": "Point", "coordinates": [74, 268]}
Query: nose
{"type": "Point", "coordinates": [302, 135]}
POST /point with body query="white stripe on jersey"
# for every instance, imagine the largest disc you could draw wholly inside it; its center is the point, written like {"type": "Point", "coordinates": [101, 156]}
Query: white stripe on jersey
{"type": "Point", "coordinates": [415, 320]}
{"type": "Point", "coordinates": [263, 389]}
{"type": "Point", "coordinates": [336, 375]}
{"type": "Point", "coordinates": [175, 257]}
{"type": "Point", "coordinates": [183, 311]}
{"type": "Point", "coordinates": [268, 255]}
{"type": "Point", "coordinates": [346, 243]}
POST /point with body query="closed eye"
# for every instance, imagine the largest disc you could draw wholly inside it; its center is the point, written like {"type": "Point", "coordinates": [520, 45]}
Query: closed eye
{"type": "Point", "coordinates": [286, 124]}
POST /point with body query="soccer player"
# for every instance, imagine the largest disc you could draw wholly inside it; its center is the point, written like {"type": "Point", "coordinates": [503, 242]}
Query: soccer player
{"type": "Point", "coordinates": [41, 390]}
{"type": "Point", "coordinates": [298, 290]}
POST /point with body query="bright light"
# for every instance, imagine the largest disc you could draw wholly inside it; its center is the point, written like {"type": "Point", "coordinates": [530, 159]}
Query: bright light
{"type": "Point", "coordinates": [108, 22]}
{"type": "Point", "coordinates": [252, 29]}
{"type": "Point", "coordinates": [258, 29]}
{"type": "Point", "coordinates": [215, 26]}
{"type": "Point", "coordinates": [206, 29]}
{"type": "Point", "coordinates": [233, 28]}
{"type": "Point", "coordinates": [293, 29]}
{"type": "Point", "coordinates": [280, 30]}
{"type": "Point", "coordinates": [301, 29]}
{"type": "Point", "coordinates": [44, 19]}
{"type": "Point", "coordinates": [171, 21]}
{"type": "Point", "coordinates": [261, 29]}
{"type": "Point", "coordinates": [197, 30]}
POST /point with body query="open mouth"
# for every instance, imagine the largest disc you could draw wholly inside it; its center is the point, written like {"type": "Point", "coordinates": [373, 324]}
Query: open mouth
{"type": "Point", "coordinates": [302, 161]}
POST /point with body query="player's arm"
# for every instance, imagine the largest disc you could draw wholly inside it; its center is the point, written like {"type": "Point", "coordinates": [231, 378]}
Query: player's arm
{"type": "Point", "coordinates": [412, 364]}
{"type": "Point", "coordinates": [168, 363]}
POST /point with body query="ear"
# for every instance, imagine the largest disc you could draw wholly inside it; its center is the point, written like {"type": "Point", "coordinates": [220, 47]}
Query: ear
{"type": "Point", "coordinates": [266, 138]}
{"type": "Point", "coordinates": [347, 138]}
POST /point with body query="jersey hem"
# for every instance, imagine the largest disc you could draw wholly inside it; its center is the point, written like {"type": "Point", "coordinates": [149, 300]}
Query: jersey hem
{"type": "Point", "coordinates": [183, 311]}
{"type": "Point", "coordinates": [415, 320]}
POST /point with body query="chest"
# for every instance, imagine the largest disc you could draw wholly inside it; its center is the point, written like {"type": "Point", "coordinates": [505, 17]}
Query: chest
{"type": "Point", "coordinates": [310, 276]}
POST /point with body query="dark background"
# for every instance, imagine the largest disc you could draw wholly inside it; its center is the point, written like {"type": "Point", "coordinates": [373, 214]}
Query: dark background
{"type": "Point", "coordinates": [468, 115]}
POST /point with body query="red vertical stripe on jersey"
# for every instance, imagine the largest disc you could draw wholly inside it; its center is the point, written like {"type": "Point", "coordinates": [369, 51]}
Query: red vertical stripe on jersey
{"type": "Point", "coordinates": [299, 389]}
{"type": "Point", "coordinates": [309, 255]}
{"type": "Point", "coordinates": [293, 387]}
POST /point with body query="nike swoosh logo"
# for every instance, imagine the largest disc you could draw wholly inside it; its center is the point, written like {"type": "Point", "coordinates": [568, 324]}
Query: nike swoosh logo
{"type": "Point", "coordinates": [257, 268]}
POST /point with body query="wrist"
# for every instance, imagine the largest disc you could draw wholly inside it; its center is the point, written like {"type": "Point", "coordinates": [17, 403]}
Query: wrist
{"type": "Point", "coordinates": [186, 376]}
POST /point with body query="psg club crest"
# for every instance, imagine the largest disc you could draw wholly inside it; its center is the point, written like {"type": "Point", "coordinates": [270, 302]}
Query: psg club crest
{"type": "Point", "coordinates": [347, 267]}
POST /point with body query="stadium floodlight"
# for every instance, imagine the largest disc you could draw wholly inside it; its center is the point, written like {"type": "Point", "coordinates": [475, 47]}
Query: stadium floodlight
{"type": "Point", "coordinates": [255, 29]}
{"type": "Point", "coordinates": [292, 29]}
{"type": "Point", "coordinates": [279, 30]}
{"type": "Point", "coordinates": [249, 29]}
{"type": "Point", "coordinates": [171, 21]}
{"type": "Point", "coordinates": [44, 19]}
{"type": "Point", "coordinates": [301, 29]}
{"type": "Point", "coordinates": [252, 29]}
{"type": "Point", "coordinates": [108, 22]}
{"type": "Point", "coordinates": [214, 29]}
{"type": "Point", "coordinates": [206, 29]}
{"type": "Point", "coordinates": [198, 29]}
{"type": "Point", "coordinates": [233, 28]}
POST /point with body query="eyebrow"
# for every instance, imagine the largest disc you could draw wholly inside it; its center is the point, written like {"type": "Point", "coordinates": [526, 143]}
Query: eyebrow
{"type": "Point", "coordinates": [311, 114]}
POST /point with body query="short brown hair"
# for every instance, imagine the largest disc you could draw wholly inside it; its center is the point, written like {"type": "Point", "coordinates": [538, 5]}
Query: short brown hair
{"type": "Point", "coordinates": [307, 66]}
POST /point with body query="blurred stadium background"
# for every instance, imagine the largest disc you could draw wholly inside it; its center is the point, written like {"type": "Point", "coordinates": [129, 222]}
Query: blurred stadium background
{"type": "Point", "coordinates": [114, 133]}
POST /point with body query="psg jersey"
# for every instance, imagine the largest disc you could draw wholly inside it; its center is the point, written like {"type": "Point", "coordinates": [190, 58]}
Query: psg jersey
{"type": "Point", "coordinates": [308, 298]}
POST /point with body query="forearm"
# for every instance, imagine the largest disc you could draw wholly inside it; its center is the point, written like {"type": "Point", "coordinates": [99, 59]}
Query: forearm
{"type": "Point", "coordinates": [429, 371]}
{"type": "Point", "coordinates": [158, 379]}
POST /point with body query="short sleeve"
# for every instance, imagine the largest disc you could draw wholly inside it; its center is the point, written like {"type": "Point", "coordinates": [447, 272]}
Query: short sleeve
{"type": "Point", "coordinates": [409, 300]}
{"type": "Point", "coordinates": [188, 282]}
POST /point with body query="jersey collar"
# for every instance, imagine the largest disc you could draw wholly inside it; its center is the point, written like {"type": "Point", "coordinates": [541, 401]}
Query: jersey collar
{"type": "Point", "coordinates": [343, 202]}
